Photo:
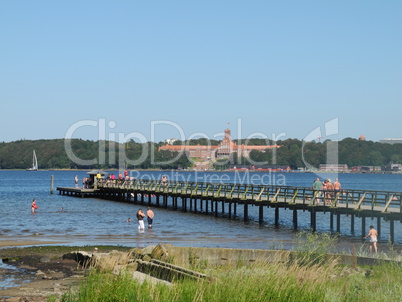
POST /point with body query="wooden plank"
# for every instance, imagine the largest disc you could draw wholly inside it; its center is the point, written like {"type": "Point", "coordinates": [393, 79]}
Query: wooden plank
{"type": "Point", "coordinates": [360, 201]}
{"type": "Point", "coordinates": [277, 193]}
{"type": "Point", "coordinates": [387, 205]}
{"type": "Point", "coordinates": [259, 195]}
{"type": "Point", "coordinates": [294, 196]}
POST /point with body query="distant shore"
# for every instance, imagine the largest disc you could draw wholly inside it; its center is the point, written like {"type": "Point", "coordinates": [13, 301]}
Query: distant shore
{"type": "Point", "coordinates": [219, 171]}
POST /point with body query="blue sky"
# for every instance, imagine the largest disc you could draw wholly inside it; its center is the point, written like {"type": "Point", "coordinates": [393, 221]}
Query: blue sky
{"type": "Point", "coordinates": [162, 69]}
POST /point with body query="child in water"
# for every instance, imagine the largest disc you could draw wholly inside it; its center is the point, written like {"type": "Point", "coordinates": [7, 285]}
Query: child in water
{"type": "Point", "coordinates": [34, 206]}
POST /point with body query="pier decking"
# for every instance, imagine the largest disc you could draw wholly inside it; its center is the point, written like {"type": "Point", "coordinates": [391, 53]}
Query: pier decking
{"type": "Point", "coordinates": [223, 200]}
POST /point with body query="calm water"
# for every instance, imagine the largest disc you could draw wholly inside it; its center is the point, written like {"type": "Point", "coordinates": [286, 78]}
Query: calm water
{"type": "Point", "coordinates": [93, 221]}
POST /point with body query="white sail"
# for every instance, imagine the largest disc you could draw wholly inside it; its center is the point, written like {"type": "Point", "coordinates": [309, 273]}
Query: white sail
{"type": "Point", "coordinates": [34, 163]}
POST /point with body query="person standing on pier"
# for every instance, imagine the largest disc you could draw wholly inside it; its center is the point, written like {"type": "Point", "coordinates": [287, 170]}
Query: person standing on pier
{"type": "Point", "coordinates": [150, 217]}
{"type": "Point", "coordinates": [34, 206]}
{"type": "Point", "coordinates": [76, 181]}
{"type": "Point", "coordinates": [373, 234]}
{"type": "Point", "coordinates": [330, 190]}
{"type": "Point", "coordinates": [140, 217]}
{"type": "Point", "coordinates": [164, 180]}
{"type": "Point", "coordinates": [337, 186]}
{"type": "Point", "coordinates": [317, 187]}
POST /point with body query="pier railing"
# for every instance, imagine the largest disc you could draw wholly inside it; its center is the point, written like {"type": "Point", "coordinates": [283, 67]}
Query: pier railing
{"type": "Point", "coordinates": [359, 200]}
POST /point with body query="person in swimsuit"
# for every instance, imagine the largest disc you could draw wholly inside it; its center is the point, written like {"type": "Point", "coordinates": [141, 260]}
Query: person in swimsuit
{"type": "Point", "coordinates": [373, 234]}
{"type": "Point", "coordinates": [140, 217]}
{"type": "Point", "coordinates": [34, 206]}
{"type": "Point", "coordinates": [150, 217]}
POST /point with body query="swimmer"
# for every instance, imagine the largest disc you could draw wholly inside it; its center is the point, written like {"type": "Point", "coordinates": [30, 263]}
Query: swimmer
{"type": "Point", "coordinates": [34, 206]}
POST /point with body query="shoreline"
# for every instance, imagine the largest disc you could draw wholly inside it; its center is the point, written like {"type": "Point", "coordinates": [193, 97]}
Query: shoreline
{"type": "Point", "coordinates": [24, 243]}
{"type": "Point", "coordinates": [220, 171]}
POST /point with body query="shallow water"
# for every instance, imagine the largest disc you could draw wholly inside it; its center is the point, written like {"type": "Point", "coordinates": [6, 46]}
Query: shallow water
{"type": "Point", "coordinates": [91, 221]}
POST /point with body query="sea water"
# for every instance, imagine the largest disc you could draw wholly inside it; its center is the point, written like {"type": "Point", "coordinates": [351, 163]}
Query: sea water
{"type": "Point", "coordinates": [90, 221]}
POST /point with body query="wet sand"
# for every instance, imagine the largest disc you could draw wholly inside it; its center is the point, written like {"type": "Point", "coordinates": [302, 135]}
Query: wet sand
{"type": "Point", "coordinates": [11, 243]}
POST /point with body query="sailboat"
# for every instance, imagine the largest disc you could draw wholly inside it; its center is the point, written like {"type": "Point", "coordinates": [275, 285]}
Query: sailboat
{"type": "Point", "coordinates": [34, 163]}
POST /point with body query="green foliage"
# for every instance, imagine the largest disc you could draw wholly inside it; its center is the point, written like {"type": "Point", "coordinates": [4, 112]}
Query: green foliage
{"type": "Point", "coordinates": [259, 282]}
{"type": "Point", "coordinates": [52, 154]}
{"type": "Point", "coordinates": [312, 247]}
{"type": "Point", "coordinates": [294, 153]}
{"type": "Point", "coordinates": [352, 152]}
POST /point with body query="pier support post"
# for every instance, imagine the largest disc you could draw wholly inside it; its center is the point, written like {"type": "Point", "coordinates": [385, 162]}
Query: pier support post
{"type": "Point", "coordinates": [230, 210]}
{"type": "Point", "coordinates": [295, 218]}
{"type": "Point", "coordinates": [260, 214]}
{"type": "Point", "coordinates": [234, 210]}
{"type": "Point", "coordinates": [331, 221]}
{"type": "Point", "coordinates": [363, 226]}
{"type": "Point", "coordinates": [157, 200]}
{"type": "Point", "coordinates": [352, 224]}
{"type": "Point", "coordinates": [245, 207]}
{"type": "Point", "coordinates": [276, 216]}
{"type": "Point", "coordinates": [391, 231]}
{"type": "Point", "coordinates": [51, 184]}
{"type": "Point", "coordinates": [184, 204]}
{"type": "Point", "coordinates": [379, 226]}
{"type": "Point", "coordinates": [313, 217]}
{"type": "Point", "coordinates": [338, 223]}
{"type": "Point", "coordinates": [216, 207]}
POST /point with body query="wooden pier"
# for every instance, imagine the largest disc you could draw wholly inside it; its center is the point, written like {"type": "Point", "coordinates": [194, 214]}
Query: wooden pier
{"type": "Point", "coordinates": [224, 199]}
{"type": "Point", "coordinates": [77, 192]}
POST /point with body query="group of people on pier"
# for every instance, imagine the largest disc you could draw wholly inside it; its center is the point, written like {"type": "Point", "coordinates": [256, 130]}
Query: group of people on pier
{"type": "Point", "coordinates": [326, 189]}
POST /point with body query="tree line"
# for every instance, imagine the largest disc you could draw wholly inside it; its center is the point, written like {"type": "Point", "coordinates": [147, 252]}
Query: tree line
{"type": "Point", "coordinates": [52, 154]}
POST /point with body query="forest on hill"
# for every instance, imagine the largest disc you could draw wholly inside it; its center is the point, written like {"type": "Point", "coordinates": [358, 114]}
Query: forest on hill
{"type": "Point", "coordinates": [53, 154]}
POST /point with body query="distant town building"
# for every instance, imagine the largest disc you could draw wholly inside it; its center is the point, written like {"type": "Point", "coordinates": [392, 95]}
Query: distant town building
{"type": "Point", "coordinates": [394, 167]}
{"type": "Point", "coordinates": [272, 168]}
{"type": "Point", "coordinates": [224, 150]}
{"type": "Point", "coordinates": [391, 141]}
{"type": "Point", "coordinates": [364, 169]}
{"type": "Point", "coordinates": [334, 167]}
{"type": "Point", "coordinates": [171, 141]}
{"type": "Point", "coordinates": [362, 138]}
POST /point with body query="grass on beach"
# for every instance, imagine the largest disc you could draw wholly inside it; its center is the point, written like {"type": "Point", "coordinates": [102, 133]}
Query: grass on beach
{"type": "Point", "coordinates": [266, 282]}
{"type": "Point", "coordinates": [308, 276]}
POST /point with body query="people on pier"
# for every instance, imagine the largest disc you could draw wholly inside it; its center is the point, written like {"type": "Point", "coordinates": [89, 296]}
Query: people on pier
{"type": "Point", "coordinates": [34, 206]}
{"type": "Point", "coordinates": [330, 190]}
{"type": "Point", "coordinates": [76, 181]}
{"type": "Point", "coordinates": [164, 180]}
{"type": "Point", "coordinates": [140, 217]}
{"type": "Point", "coordinates": [337, 185]}
{"type": "Point", "coordinates": [150, 217]}
{"type": "Point", "coordinates": [373, 234]}
{"type": "Point", "coordinates": [317, 187]}
{"type": "Point", "coordinates": [86, 183]}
